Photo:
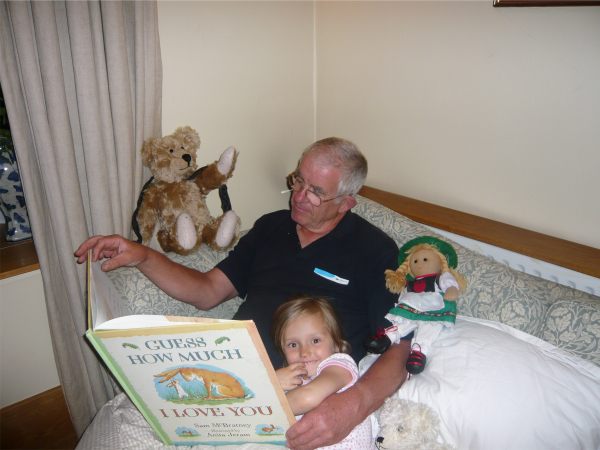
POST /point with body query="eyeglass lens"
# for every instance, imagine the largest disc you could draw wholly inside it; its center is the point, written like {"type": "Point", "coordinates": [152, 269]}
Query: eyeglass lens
{"type": "Point", "coordinates": [298, 185]}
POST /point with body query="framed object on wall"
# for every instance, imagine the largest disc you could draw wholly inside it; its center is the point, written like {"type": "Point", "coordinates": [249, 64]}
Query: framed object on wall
{"type": "Point", "coordinates": [546, 3]}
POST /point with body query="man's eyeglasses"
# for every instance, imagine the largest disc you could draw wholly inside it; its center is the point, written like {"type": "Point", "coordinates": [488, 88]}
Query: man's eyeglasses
{"type": "Point", "coordinates": [297, 184]}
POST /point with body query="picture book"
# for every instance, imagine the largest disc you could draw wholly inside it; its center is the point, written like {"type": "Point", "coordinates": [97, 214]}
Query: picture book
{"type": "Point", "coordinates": [195, 380]}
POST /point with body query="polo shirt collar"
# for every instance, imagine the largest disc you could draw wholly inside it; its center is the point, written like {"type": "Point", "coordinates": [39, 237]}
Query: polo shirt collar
{"type": "Point", "coordinates": [344, 227]}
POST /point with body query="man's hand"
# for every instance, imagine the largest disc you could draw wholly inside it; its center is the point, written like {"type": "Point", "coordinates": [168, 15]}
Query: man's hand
{"type": "Point", "coordinates": [291, 376]}
{"type": "Point", "coordinates": [117, 251]}
{"type": "Point", "coordinates": [328, 423]}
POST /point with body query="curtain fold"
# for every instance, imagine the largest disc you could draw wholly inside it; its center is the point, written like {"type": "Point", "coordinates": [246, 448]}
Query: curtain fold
{"type": "Point", "coordinates": [82, 86]}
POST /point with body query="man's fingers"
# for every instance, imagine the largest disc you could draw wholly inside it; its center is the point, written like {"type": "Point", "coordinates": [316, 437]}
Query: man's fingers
{"type": "Point", "coordinates": [111, 248]}
{"type": "Point", "coordinates": [110, 264]}
{"type": "Point", "coordinates": [81, 252]}
{"type": "Point", "coordinates": [307, 435]}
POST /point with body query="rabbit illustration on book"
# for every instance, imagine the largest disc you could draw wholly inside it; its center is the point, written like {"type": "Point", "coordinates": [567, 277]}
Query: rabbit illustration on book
{"type": "Point", "coordinates": [218, 385]}
{"type": "Point", "coordinates": [180, 391]}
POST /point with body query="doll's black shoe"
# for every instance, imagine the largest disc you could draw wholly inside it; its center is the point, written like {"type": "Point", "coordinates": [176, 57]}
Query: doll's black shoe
{"type": "Point", "coordinates": [416, 361]}
{"type": "Point", "coordinates": [377, 344]}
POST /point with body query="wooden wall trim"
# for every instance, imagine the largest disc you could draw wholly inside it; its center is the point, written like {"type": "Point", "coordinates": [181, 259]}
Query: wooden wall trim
{"type": "Point", "coordinates": [16, 257]}
{"type": "Point", "coordinates": [571, 255]}
{"type": "Point", "coordinates": [41, 421]}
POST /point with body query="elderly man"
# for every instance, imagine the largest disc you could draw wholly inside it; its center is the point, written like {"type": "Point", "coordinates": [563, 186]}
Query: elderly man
{"type": "Point", "coordinates": [318, 247]}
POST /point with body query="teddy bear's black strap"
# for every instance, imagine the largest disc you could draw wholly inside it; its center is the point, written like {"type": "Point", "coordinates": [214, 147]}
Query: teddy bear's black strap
{"type": "Point", "coordinates": [224, 196]}
{"type": "Point", "coordinates": [134, 223]}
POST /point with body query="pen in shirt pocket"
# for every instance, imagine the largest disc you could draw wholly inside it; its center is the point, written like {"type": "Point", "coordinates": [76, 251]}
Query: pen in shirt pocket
{"type": "Point", "coordinates": [331, 277]}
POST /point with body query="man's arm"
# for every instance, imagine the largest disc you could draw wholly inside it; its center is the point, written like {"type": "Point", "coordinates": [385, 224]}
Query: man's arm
{"type": "Point", "coordinates": [203, 290]}
{"type": "Point", "coordinates": [338, 414]}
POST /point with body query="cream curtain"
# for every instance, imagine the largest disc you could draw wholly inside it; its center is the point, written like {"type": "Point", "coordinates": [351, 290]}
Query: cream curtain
{"type": "Point", "coordinates": [82, 86]}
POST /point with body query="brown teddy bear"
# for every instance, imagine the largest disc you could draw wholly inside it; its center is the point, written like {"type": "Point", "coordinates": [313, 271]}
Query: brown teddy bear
{"type": "Point", "coordinates": [172, 203]}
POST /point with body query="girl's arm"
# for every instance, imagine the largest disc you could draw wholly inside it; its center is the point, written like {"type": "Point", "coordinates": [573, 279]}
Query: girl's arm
{"type": "Point", "coordinates": [329, 381]}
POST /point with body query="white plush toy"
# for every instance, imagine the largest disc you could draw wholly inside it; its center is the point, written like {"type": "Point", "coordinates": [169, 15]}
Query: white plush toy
{"type": "Point", "coordinates": [406, 425]}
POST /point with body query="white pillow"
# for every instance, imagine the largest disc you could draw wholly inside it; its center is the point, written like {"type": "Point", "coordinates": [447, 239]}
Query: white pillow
{"type": "Point", "coordinates": [495, 387]}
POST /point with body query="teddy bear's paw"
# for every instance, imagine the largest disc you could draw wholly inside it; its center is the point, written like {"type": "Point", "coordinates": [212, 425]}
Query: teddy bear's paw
{"type": "Point", "coordinates": [186, 231]}
{"type": "Point", "coordinates": [154, 244]}
{"type": "Point", "coordinates": [225, 163]}
{"type": "Point", "coordinates": [227, 229]}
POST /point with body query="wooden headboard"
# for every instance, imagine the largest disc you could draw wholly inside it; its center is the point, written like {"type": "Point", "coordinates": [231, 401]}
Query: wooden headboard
{"type": "Point", "coordinates": [577, 257]}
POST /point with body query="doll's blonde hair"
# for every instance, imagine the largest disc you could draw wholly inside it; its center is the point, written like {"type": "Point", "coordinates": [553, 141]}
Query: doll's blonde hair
{"type": "Point", "coordinates": [292, 309]}
{"type": "Point", "coordinates": [396, 280]}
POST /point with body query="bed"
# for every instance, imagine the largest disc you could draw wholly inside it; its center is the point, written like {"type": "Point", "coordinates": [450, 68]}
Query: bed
{"type": "Point", "coordinates": [520, 370]}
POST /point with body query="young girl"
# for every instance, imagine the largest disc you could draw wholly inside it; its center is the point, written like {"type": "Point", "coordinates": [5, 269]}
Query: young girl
{"type": "Point", "coordinates": [306, 331]}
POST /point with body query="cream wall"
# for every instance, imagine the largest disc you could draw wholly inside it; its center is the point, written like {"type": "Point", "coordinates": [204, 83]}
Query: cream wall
{"type": "Point", "coordinates": [500, 105]}
{"type": "Point", "coordinates": [27, 364]}
{"type": "Point", "coordinates": [241, 73]}
{"type": "Point", "coordinates": [493, 111]}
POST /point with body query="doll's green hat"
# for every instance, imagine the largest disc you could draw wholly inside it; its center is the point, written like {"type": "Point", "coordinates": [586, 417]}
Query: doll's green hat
{"type": "Point", "coordinates": [445, 249]}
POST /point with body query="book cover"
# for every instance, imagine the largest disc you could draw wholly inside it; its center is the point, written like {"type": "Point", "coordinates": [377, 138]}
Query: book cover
{"type": "Point", "coordinates": [195, 380]}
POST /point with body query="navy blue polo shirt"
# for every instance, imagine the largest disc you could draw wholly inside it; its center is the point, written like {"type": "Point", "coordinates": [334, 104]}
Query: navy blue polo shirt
{"type": "Point", "coordinates": [268, 267]}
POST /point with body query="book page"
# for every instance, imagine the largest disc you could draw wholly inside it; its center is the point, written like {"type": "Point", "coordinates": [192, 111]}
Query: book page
{"type": "Point", "coordinates": [105, 302]}
{"type": "Point", "coordinates": [152, 321]}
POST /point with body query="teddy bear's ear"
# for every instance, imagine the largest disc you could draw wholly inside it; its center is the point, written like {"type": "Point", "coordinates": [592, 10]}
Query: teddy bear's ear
{"type": "Point", "coordinates": [188, 135]}
{"type": "Point", "coordinates": [148, 150]}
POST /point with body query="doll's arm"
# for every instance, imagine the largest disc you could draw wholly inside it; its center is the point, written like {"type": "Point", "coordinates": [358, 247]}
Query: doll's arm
{"type": "Point", "coordinates": [330, 380]}
{"type": "Point", "coordinates": [451, 294]}
{"type": "Point", "coordinates": [449, 285]}
{"type": "Point", "coordinates": [394, 281]}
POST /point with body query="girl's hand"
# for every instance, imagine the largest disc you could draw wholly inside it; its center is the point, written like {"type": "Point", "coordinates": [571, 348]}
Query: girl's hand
{"type": "Point", "coordinates": [291, 377]}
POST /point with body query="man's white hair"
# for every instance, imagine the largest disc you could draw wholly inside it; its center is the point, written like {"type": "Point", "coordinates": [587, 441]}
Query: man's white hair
{"type": "Point", "coordinates": [343, 154]}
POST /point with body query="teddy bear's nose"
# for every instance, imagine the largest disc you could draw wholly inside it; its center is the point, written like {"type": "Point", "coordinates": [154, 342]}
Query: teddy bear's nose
{"type": "Point", "coordinates": [187, 158]}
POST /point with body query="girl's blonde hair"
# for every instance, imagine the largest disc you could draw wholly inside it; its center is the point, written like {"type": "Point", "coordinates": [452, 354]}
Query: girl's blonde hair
{"type": "Point", "coordinates": [292, 309]}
